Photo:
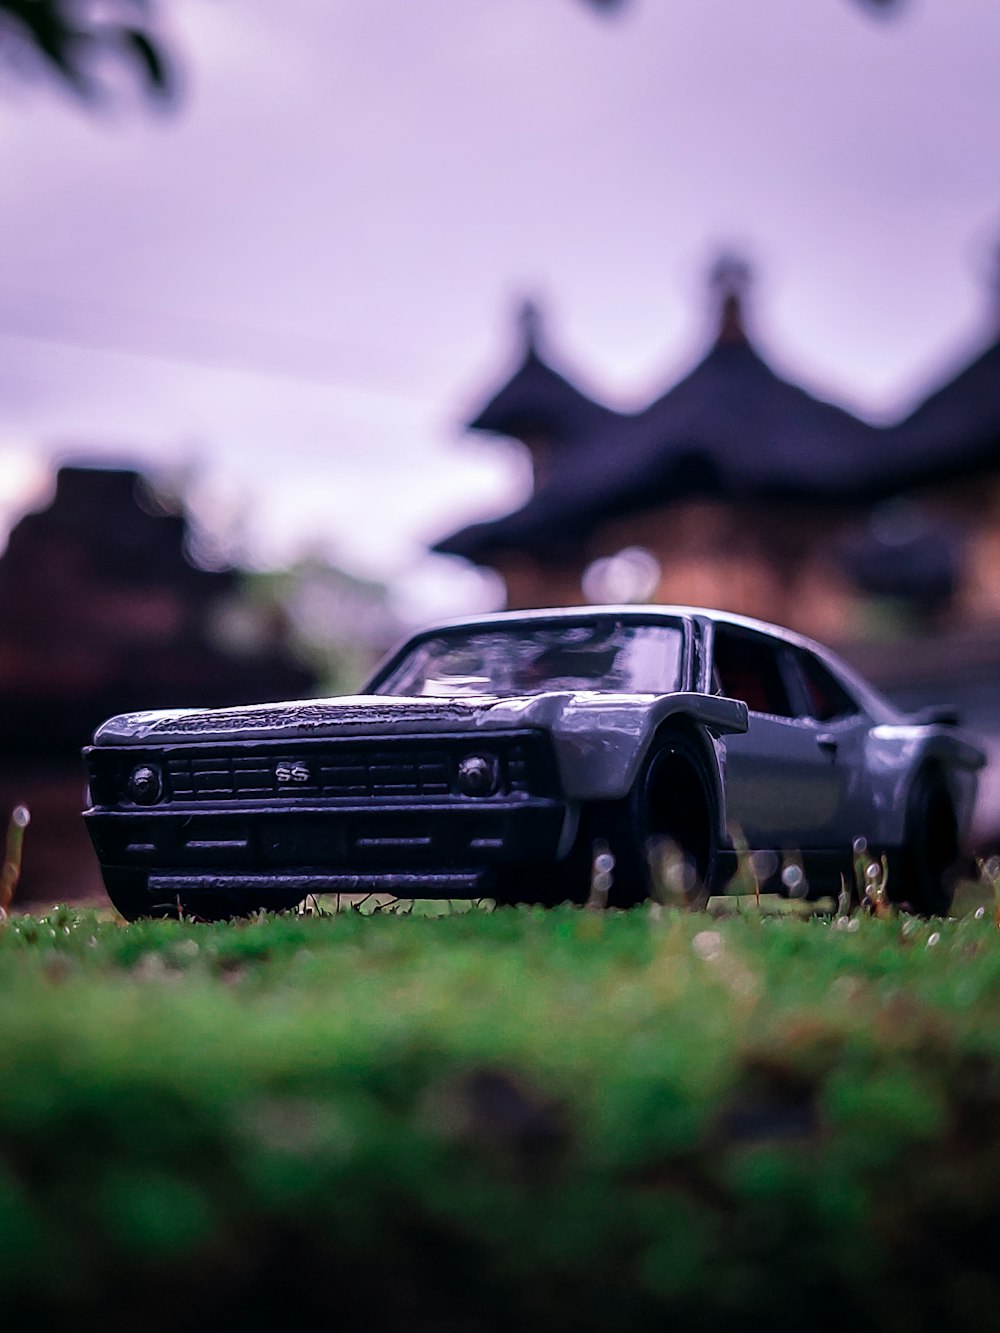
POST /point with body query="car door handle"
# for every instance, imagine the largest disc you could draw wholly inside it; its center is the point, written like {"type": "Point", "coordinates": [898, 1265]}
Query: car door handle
{"type": "Point", "coordinates": [828, 744]}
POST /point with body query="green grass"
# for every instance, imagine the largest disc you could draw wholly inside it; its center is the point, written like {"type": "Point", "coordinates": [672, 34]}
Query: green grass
{"type": "Point", "coordinates": [558, 1120]}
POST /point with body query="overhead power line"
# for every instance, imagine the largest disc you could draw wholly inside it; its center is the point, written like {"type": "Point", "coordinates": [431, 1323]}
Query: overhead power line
{"type": "Point", "coordinates": [203, 344]}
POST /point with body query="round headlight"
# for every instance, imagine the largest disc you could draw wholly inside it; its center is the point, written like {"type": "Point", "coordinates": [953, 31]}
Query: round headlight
{"type": "Point", "coordinates": [478, 775]}
{"type": "Point", "coordinates": [145, 784]}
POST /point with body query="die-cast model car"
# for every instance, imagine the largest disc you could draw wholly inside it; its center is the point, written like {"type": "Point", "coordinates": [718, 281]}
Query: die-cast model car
{"type": "Point", "coordinates": [507, 756]}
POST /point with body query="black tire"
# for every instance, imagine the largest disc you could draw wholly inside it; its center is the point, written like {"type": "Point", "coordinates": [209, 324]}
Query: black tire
{"type": "Point", "coordinates": [672, 812]}
{"type": "Point", "coordinates": [672, 801]}
{"type": "Point", "coordinates": [553, 882]}
{"type": "Point", "coordinates": [920, 872]}
{"type": "Point", "coordinates": [129, 893]}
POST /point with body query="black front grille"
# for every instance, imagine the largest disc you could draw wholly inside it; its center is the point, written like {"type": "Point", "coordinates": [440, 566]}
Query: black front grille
{"type": "Point", "coordinates": [335, 772]}
{"type": "Point", "coordinates": [299, 775]}
{"type": "Point", "coordinates": [349, 771]}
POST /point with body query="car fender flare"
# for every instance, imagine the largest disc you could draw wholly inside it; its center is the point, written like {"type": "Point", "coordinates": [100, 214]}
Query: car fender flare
{"type": "Point", "coordinates": [901, 753]}
{"type": "Point", "coordinates": [602, 741]}
{"type": "Point", "coordinates": [713, 754]}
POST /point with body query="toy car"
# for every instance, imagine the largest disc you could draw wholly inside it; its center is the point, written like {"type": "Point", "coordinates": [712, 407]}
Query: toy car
{"type": "Point", "coordinates": [529, 757]}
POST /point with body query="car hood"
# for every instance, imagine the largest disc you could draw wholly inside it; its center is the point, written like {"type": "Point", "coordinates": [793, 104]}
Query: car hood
{"type": "Point", "coordinates": [371, 714]}
{"type": "Point", "coordinates": [368, 715]}
{"type": "Point", "coordinates": [343, 716]}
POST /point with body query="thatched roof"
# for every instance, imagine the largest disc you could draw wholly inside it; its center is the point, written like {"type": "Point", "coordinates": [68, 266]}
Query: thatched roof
{"type": "Point", "coordinates": [731, 428]}
{"type": "Point", "coordinates": [536, 400]}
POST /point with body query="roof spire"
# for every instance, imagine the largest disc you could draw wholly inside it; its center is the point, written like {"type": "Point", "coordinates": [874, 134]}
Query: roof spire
{"type": "Point", "coordinates": [529, 319]}
{"type": "Point", "coordinates": [730, 278]}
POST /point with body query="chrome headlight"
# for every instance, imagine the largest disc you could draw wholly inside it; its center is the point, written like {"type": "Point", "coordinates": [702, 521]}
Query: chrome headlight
{"type": "Point", "coordinates": [145, 784]}
{"type": "Point", "coordinates": [478, 775]}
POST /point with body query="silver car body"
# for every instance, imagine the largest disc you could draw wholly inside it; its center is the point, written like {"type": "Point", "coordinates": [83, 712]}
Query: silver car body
{"type": "Point", "coordinates": [786, 780]}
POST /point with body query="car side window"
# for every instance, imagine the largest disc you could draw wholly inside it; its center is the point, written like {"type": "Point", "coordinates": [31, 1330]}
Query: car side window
{"type": "Point", "coordinates": [749, 667]}
{"type": "Point", "coordinates": [826, 698]}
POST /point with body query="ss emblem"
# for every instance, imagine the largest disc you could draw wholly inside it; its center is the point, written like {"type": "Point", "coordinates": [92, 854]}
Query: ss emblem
{"type": "Point", "coordinates": [289, 771]}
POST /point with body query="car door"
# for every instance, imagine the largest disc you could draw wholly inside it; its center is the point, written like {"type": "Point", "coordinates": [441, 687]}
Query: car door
{"type": "Point", "coordinates": [840, 727]}
{"type": "Point", "coordinates": [785, 788]}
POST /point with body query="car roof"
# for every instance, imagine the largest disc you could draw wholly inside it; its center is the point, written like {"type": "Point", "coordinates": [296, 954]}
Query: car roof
{"type": "Point", "coordinates": [632, 611]}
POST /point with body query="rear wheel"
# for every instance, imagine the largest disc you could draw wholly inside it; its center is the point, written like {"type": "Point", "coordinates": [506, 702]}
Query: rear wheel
{"type": "Point", "coordinates": [920, 871]}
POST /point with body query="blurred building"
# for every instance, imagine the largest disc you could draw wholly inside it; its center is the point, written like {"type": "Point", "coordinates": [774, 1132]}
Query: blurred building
{"type": "Point", "coordinates": [103, 612]}
{"type": "Point", "coordinates": [738, 489]}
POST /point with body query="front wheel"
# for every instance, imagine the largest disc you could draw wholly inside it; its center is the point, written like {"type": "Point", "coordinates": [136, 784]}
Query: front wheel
{"type": "Point", "coordinates": [668, 849]}
{"type": "Point", "coordinates": [661, 840]}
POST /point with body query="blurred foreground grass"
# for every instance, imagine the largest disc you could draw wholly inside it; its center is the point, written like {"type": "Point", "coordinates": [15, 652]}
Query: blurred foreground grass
{"type": "Point", "coordinates": [559, 1120]}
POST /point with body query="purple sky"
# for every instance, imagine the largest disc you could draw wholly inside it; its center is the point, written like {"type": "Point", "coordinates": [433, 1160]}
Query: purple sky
{"type": "Point", "coordinates": [298, 282]}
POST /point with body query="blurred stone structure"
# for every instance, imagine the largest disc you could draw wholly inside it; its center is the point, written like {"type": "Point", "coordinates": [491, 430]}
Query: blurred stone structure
{"type": "Point", "coordinates": [737, 489]}
{"type": "Point", "coordinates": [103, 612]}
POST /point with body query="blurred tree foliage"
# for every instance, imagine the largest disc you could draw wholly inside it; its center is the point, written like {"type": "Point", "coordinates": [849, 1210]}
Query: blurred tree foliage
{"type": "Point", "coordinates": [70, 38]}
{"type": "Point", "coordinates": [883, 6]}
{"type": "Point", "coordinates": [337, 624]}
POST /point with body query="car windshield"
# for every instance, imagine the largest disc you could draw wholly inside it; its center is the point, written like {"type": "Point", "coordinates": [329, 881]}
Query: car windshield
{"type": "Point", "coordinates": [617, 656]}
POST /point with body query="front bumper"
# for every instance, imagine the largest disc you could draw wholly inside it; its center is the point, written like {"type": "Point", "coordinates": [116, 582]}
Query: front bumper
{"type": "Point", "coordinates": [446, 849]}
